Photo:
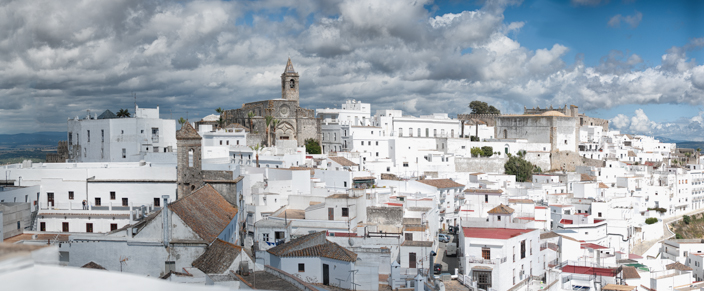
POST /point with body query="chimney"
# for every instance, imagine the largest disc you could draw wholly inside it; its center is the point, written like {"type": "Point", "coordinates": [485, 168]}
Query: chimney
{"type": "Point", "coordinates": [165, 215]}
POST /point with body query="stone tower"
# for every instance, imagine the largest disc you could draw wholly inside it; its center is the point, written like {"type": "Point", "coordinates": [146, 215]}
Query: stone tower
{"type": "Point", "coordinates": [289, 83]}
{"type": "Point", "coordinates": [189, 171]}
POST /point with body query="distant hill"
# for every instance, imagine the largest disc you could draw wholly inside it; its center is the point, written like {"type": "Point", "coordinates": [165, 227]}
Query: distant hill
{"type": "Point", "coordinates": [691, 144]}
{"type": "Point", "coordinates": [46, 139]}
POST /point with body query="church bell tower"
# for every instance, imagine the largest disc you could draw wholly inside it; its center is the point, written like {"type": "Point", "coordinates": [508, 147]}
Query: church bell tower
{"type": "Point", "coordinates": [289, 83]}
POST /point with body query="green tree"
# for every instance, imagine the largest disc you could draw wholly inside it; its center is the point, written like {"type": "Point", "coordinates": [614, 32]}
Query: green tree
{"type": "Point", "coordinates": [686, 219]}
{"type": "Point", "coordinates": [123, 113]}
{"type": "Point", "coordinates": [249, 116]}
{"type": "Point", "coordinates": [181, 121]}
{"type": "Point", "coordinates": [479, 107]}
{"type": "Point", "coordinates": [476, 152]}
{"type": "Point", "coordinates": [488, 151]}
{"type": "Point", "coordinates": [256, 148]}
{"type": "Point", "coordinates": [268, 120]}
{"type": "Point", "coordinates": [220, 120]}
{"type": "Point", "coordinates": [312, 146]}
{"type": "Point", "coordinates": [522, 169]}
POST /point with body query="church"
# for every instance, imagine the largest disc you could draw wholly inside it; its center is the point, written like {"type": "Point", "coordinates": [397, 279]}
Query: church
{"type": "Point", "coordinates": [295, 123]}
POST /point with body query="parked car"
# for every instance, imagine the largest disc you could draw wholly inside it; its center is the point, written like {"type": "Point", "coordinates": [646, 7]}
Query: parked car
{"type": "Point", "coordinates": [443, 238]}
{"type": "Point", "coordinates": [437, 268]}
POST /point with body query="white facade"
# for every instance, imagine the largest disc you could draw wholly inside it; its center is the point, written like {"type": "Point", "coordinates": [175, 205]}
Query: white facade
{"type": "Point", "coordinates": [142, 137]}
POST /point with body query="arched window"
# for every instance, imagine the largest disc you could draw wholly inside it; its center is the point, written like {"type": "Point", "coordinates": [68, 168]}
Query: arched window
{"type": "Point", "coordinates": [505, 133]}
{"type": "Point", "coordinates": [191, 156]}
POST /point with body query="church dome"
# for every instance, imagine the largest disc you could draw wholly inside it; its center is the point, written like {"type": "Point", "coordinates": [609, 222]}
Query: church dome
{"type": "Point", "coordinates": [552, 113]}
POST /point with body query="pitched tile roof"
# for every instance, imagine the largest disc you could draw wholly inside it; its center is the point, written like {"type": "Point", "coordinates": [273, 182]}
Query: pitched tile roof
{"type": "Point", "coordinates": [603, 186]}
{"type": "Point", "coordinates": [630, 272]}
{"type": "Point", "coordinates": [218, 257]}
{"type": "Point", "coordinates": [501, 209]}
{"type": "Point", "coordinates": [441, 183]}
{"type": "Point", "coordinates": [417, 243]}
{"type": "Point", "coordinates": [93, 265]}
{"type": "Point", "coordinates": [678, 266]}
{"type": "Point", "coordinates": [205, 211]}
{"type": "Point", "coordinates": [585, 177]}
{"type": "Point", "coordinates": [313, 245]}
{"type": "Point", "coordinates": [187, 132]}
{"type": "Point", "coordinates": [494, 233]}
{"type": "Point", "coordinates": [487, 191]}
{"type": "Point", "coordinates": [547, 235]}
{"type": "Point", "coordinates": [342, 161]}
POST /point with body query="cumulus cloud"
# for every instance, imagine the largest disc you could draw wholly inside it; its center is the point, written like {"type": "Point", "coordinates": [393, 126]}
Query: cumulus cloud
{"type": "Point", "coordinates": [683, 128]}
{"type": "Point", "coordinates": [58, 60]}
{"type": "Point", "coordinates": [632, 20]}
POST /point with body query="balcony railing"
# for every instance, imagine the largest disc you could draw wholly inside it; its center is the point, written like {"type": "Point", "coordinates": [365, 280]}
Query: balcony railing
{"type": "Point", "coordinates": [477, 260]}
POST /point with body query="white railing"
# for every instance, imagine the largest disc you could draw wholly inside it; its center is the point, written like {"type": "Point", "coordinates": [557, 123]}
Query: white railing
{"type": "Point", "coordinates": [476, 260]}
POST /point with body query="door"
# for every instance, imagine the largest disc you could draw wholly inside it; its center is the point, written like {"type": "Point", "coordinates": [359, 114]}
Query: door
{"type": "Point", "coordinates": [331, 213]}
{"type": "Point", "coordinates": [412, 260]}
{"type": "Point", "coordinates": [50, 199]}
{"type": "Point", "coordinates": [326, 274]}
{"type": "Point", "coordinates": [42, 226]}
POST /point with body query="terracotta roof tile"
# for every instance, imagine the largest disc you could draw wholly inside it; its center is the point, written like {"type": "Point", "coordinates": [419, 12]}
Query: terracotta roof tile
{"type": "Point", "coordinates": [93, 265]}
{"type": "Point", "coordinates": [585, 177]}
{"type": "Point", "coordinates": [187, 132]}
{"type": "Point", "coordinates": [218, 257]}
{"type": "Point", "coordinates": [678, 266]}
{"type": "Point", "coordinates": [441, 183]}
{"type": "Point", "coordinates": [313, 245]}
{"type": "Point", "coordinates": [630, 273]}
{"type": "Point", "coordinates": [487, 191]}
{"type": "Point", "coordinates": [342, 161]}
{"type": "Point", "coordinates": [547, 235]}
{"type": "Point", "coordinates": [501, 209]}
{"type": "Point", "coordinates": [205, 211]}
{"type": "Point", "coordinates": [603, 186]}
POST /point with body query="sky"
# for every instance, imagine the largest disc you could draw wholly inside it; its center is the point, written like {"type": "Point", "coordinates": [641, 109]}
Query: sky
{"type": "Point", "coordinates": [636, 63]}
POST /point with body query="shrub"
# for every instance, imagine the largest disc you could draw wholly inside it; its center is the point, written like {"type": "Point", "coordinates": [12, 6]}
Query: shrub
{"type": "Point", "coordinates": [488, 151]}
{"type": "Point", "coordinates": [678, 236]}
{"type": "Point", "coordinates": [659, 209]}
{"type": "Point", "coordinates": [522, 169]}
{"type": "Point", "coordinates": [686, 219]}
{"type": "Point", "coordinates": [476, 152]}
{"type": "Point", "coordinates": [312, 146]}
{"type": "Point", "coordinates": [651, 220]}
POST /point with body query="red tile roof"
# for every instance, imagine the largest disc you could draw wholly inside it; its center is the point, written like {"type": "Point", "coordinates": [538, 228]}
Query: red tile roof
{"type": "Point", "coordinates": [592, 246]}
{"type": "Point", "coordinates": [342, 161]}
{"type": "Point", "coordinates": [589, 271]}
{"type": "Point", "coordinates": [205, 211]}
{"type": "Point", "coordinates": [393, 204]}
{"type": "Point", "coordinates": [540, 207]}
{"type": "Point", "coordinates": [494, 233]}
{"type": "Point", "coordinates": [501, 209]}
{"type": "Point", "coordinates": [566, 221]}
{"type": "Point", "coordinates": [313, 245]}
{"type": "Point", "coordinates": [441, 183]}
{"type": "Point", "coordinates": [218, 257]}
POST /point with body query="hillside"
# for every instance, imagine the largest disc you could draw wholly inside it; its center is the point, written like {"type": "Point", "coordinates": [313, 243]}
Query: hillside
{"type": "Point", "coordinates": [695, 228]}
{"type": "Point", "coordinates": [35, 140]}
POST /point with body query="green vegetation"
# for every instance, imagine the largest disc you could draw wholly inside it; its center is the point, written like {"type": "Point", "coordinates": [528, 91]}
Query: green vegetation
{"type": "Point", "coordinates": [488, 151]}
{"type": "Point", "coordinates": [18, 156]}
{"type": "Point", "coordinates": [651, 220]}
{"type": "Point", "coordinates": [312, 146]}
{"type": "Point", "coordinates": [256, 148]}
{"type": "Point", "coordinates": [123, 113]}
{"type": "Point", "coordinates": [479, 107]}
{"type": "Point", "coordinates": [659, 209]}
{"type": "Point", "coordinates": [476, 152]}
{"type": "Point", "coordinates": [678, 236]}
{"type": "Point", "coordinates": [518, 166]}
{"type": "Point", "coordinates": [686, 219]}
{"type": "Point", "coordinates": [689, 227]}
{"type": "Point", "coordinates": [473, 138]}
{"type": "Point", "coordinates": [181, 121]}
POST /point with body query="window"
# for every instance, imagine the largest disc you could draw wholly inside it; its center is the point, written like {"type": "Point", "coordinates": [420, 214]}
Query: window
{"type": "Point", "coordinates": [88, 135]}
{"type": "Point", "coordinates": [70, 138]}
{"type": "Point", "coordinates": [498, 217]}
{"type": "Point", "coordinates": [486, 198]}
{"type": "Point", "coordinates": [220, 142]}
{"type": "Point", "coordinates": [157, 202]}
{"type": "Point", "coordinates": [124, 153]}
{"type": "Point", "coordinates": [362, 142]}
{"type": "Point", "coordinates": [70, 195]}
{"type": "Point", "coordinates": [301, 267]}
{"type": "Point", "coordinates": [486, 253]}
{"type": "Point", "coordinates": [427, 132]}
{"type": "Point", "coordinates": [102, 135]}
{"type": "Point", "coordinates": [89, 227]}
{"type": "Point", "coordinates": [42, 226]}
{"type": "Point", "coordinates": [345, 212]}
{"type": "Point", "coordinates": [334, 136]}
{"type": "Point", "coordinates": [405, 164]}
{"type": "Point", "coordinates": [112, 195]}
{"type": "Point", "coordinates": [400, 131]}
{"type": "Point", "coordinates": [97, 201]}
{"type": "Point", "coordinates": [523, 249]}
{"type": "Point", "coordinates": [18, 225]}
{"type": "Point", "coordinates": [125, 202]}
{"type": "Point", "coordinates": [409, 236]}
{"type": "Point", "coordinates": [113, 226]}
{"type": "Point", "coordinates": [64, 226]}
{"type": "Point", "coordinates": [369, 142]}
{"type": "Point", "coordinates": [265, 236]}
{"type": "Point", "coordinates": [388, 169]}
{"type": "Point", "coordinates": [599, 214]}
{"type": "Point", "coordinates": [344, 183]}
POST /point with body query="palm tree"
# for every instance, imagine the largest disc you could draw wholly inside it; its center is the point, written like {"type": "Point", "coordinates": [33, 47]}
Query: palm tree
{"type": "Point", "coordinates": [221, 122]}
{"type": "Point", "coordinates": [256, 148]}
{"type": "Point", "coordinates": [181, 121]}
{"type": "Point", "coordinates": [123, 113]}
{"type": "Point", "coordinates": [249, 116]}
{"type": "Point", "coordinates": [274, 124]}
{"type": "Point", "coordinates": [268, 119]}
{"type": "Point", "coordinates": [219, 110]}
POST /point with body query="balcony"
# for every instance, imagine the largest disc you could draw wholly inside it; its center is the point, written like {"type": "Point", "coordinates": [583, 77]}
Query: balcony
{"type": "Point", "coordinates": [478, 260]}
{"type": "Point", "coordinates": [155, 138]}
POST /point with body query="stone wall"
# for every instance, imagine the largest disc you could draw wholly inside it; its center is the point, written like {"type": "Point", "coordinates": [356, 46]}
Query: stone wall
{"type": "Point", "coordinates": [593, 163]}
{"type": "Point", "coordinates": [385, 215]}
{"type": "Point", "coordinates": [11, 214]}
{"type": "Point", "coordinates": [490, 119]}
{"type": "Point", "coordinates": [592, 121]}
{"type": "Point", "coordinates": [567, 161]}
{"type": "Point", "coordinates": [483, 165]}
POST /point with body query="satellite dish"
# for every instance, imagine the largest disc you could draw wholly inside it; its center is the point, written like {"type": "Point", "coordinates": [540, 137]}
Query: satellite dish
{"type": "Point", "coordinates": [350, 241]}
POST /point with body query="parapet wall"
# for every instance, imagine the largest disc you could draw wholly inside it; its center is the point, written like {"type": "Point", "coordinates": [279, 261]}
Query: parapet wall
{"type": "Point", "coordinates": [489, 119]}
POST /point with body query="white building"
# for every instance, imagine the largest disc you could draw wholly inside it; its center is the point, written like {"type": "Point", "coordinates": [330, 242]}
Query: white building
{"type": "Point", "coordinates": [107, 138]}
